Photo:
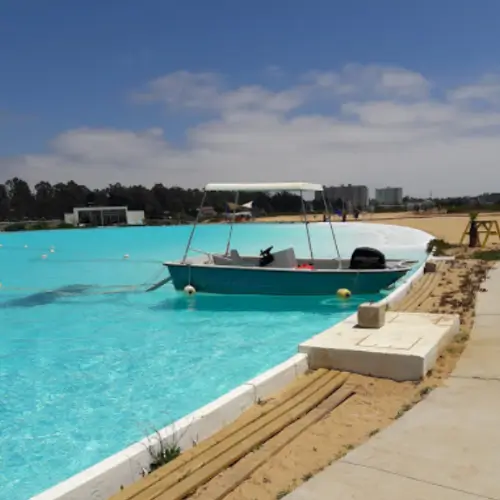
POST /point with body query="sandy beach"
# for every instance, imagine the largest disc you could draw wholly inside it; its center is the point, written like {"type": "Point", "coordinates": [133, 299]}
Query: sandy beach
{"type": "Point", "coordinates": [447, 227]}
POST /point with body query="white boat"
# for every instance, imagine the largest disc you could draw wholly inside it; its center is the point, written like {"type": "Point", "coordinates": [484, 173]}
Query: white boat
{"type": "Point", "coordinates": [281, 272]}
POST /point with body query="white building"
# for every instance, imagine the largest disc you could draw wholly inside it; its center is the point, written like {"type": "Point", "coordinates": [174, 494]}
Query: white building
{"type": "Point", "coordinates": [105, 216]}
{"type": "Point", "coordinates": [389, 196]}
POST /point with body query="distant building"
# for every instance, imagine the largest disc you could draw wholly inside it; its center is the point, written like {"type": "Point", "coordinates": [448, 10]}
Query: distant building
{"type": "Point", "coordinates": [389, 196]}
{"type": "Point", "coordinates": [207, 211]}
{"type": "Point", "coordinates": [105, 216]}
{"type": "Point", "coordinates": [351, 196]}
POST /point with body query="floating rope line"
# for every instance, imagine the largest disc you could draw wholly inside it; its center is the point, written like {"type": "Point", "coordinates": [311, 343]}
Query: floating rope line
{"type": "Point", "coordinates": [84, 290]}
{"type": "Point", "coordinates": [104, 261]}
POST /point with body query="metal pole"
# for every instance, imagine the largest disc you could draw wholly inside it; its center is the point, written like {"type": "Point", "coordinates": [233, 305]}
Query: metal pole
{"type": "Point", "coordinates": [307, 226]}
{"type": "Point", "coordinates": [331, 227]}
{"type": "Point", "coordinates": [194, 227]}
{"type": "Point", "coordinates": [232, 223]}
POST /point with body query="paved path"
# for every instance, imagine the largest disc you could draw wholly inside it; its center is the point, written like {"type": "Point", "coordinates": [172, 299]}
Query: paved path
{"type": "Point", "coordinates": [447, 447]}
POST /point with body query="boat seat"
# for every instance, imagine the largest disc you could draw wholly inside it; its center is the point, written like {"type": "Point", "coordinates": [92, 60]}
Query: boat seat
{"type": "Point", "coordinates": [236, 258]}
{"type": "Point", "coordinates": [222, 260]}
{"type": "Point", "coordinates": [284, 259]}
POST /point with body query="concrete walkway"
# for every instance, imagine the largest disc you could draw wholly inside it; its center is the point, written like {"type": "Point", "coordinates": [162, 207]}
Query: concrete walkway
{"type": "Point", "coordinates": [447, 447]}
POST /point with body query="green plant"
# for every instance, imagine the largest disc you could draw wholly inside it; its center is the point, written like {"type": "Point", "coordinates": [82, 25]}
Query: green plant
{"type": "Point", "coordinates": [489, 255]}
{"type": "Point", "coordinates": [39, 226]}
{"type": "Point", "coordinates": [439, 246]}
{"type": "Point", "coordinates": [16, 226]}
{"type": "Point", "coordinates": [473, 215]}
{"type": "Point", "coordinates": [65, 225]}
{"type": "Point", "coordinates": [163, 453]}
{"type": "Point", "coordinates": [404, 409]}
{"type": "Point", "coordinates": [426, 391]}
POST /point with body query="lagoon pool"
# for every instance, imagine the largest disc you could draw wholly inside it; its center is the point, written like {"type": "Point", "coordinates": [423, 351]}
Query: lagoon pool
{"type": "Point", "coordinates": [84, 376]}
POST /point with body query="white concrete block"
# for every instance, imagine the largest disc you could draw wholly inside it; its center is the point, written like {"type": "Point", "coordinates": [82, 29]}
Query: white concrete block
{"type": "Point", "coordinates": [405, 348]}
{"type": "Point", "coordinates": [371, 315]}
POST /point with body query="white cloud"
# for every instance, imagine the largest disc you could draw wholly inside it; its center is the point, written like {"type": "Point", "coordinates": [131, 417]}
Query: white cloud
{"type": "Point", "coordinates": [371, 80]}
{"type": "Point", "coordinates": [274, 71]}
{"type": "Point", "coordinates": [383, 127]}
{"type": "Point", "coordinates": [391, 113]}
{"type": "Point", "coordinates": [205, 91]}
{"type": "Point", "coordinates": [486, 90]}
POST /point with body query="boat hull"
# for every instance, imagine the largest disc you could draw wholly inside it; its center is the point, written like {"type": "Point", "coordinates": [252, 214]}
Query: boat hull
{"type": "Point", "coordinates": [261, 281]}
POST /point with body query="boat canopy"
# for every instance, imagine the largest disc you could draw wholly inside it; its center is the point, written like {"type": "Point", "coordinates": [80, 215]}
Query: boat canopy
{"type": "Point", "coordinates": [266, 186]}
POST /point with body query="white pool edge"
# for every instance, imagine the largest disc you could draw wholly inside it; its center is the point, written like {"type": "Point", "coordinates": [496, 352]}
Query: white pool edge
{"type": "Point", "coordinates": [105, 479]}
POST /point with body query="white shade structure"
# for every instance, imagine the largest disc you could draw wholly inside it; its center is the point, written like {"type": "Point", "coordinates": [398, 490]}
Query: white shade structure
{"type": "Point", "coordinates": [266, 187]}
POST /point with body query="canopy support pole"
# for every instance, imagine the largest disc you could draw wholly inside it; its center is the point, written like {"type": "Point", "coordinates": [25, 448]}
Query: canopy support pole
{"type": "Point", "coordinates": [306, 223]}
{"type": "Point", "coordinates": [188, 246]}
{"type": "Point", "coordinates": [232, 223]}
{"type": "Point", "coordinates": [329, 217]}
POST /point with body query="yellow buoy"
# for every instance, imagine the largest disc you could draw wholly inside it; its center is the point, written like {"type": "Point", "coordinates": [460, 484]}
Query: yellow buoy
{"type": "Point", "coordinates": [343, 293]}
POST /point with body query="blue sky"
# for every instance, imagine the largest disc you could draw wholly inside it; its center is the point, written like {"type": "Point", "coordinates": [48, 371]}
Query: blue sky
{"type": "Point", "coordinates": [73, 67]}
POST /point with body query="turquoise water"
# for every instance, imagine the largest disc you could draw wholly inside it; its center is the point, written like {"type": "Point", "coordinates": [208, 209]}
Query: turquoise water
{"type": "Point", "coordinates": [84, 376]}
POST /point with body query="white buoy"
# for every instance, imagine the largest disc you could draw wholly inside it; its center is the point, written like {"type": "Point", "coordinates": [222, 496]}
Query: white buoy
{"type": "Point", "coordinates": [25, 246]}
{"type": "Point", "coordinates": [189, 290]}
{"type": "Point", "coordinates": [52, 250]}
{"type": "Point", "coordinates": [44, 256]}
{"type": "Point", "coordinates": [126, 256]}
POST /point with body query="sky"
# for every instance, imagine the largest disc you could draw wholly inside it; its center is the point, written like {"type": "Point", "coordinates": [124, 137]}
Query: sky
{"type": "Point", "coordinates": [385, 92]}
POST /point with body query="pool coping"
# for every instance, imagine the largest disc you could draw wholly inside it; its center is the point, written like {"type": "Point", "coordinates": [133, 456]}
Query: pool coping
{"type": "Point", "coordinates": [106, 478]}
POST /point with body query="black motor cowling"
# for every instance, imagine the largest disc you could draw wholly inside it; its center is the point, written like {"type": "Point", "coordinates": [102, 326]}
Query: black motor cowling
{"type": "Point", "coordinates": [266, 257]}
{"type": "Point", "coordinates": [367, 258]}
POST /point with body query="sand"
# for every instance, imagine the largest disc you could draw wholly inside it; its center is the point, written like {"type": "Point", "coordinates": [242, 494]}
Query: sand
{"type": "Point", "coordinates": [377, 402]}
{"type": "Point", "coordinates": [446, 227]}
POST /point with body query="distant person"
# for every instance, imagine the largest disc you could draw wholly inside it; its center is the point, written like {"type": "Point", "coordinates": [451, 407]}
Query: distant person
{"type": "Point", "coordinates": [473, 234]}
{"type": "Point", "coordinates": [356, 213]}
{"type": "Point", "coordinates": [344, 216]}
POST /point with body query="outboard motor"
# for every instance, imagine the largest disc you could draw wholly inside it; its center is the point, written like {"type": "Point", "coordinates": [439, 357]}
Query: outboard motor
{"type": "Point", "coordinates": [367, 258]}
{"type": "Point", "coordinates": [266, 257]}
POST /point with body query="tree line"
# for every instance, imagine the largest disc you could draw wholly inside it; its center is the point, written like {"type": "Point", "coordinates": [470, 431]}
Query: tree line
{"type": "Point", "coordinates": [18, 201]}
